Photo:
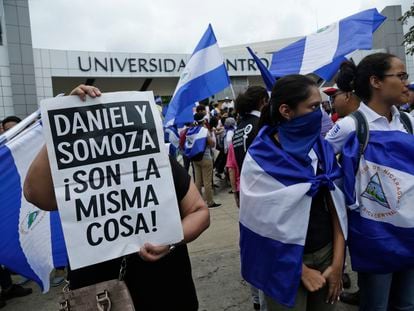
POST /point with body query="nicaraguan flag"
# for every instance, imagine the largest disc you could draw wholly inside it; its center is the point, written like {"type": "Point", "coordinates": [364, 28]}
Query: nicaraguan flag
{"type": "Point", "coordinates": [172, 137]}
{"type": "Point", "coordinates": [268, 79]}
{"type": "Point", "coordinates": [204, 75]}
{"type": "Point", "coordinates": [196, 141]}
{"type": "Point", "coordinates": [326, 49]}
{"type": "Point", "coordinates": [380, 199]}
{"type": "Point", "coordinates": [275, 200]}
{"type": "Point", "coordinates": [31, 241]}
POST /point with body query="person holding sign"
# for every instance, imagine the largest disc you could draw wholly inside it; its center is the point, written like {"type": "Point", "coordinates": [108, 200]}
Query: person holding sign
{"type": "Point", "coordinates": [158, 276]}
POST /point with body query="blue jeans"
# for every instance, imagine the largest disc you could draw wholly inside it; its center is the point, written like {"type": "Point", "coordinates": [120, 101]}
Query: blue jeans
{"type": "Point", "coordinates": [382, 292]}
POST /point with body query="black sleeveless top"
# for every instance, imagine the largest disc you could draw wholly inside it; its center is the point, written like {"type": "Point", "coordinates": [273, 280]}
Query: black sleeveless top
{"type": "Point", "coordinates": [166, 284]}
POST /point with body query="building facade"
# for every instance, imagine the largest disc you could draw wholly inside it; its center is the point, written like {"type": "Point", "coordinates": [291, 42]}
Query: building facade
{"type": "Point", "coordinates": [28, 74]}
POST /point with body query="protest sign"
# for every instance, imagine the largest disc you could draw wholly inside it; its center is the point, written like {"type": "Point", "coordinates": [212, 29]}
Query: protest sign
{"type": "Point", "coordinates": [111, 174]}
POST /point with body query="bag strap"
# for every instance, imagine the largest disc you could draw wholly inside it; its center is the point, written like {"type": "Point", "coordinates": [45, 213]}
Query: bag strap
{"type": "Point", "coordinates": [362, 131]}
{"type": "Point", "coordinates": [406, 122]}
{"type": "Point", "coordinates": [122, 269]}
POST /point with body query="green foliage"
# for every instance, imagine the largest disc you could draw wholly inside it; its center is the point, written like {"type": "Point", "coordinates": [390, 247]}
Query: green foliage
{"type": "Point", "coordinates": [409, 36]}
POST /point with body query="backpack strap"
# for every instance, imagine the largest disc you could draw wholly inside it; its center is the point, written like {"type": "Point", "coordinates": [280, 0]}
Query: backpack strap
{"type": "Point", "coordinates": [406, 122]}
{"type": "Point", "coordinates": [362, 131]}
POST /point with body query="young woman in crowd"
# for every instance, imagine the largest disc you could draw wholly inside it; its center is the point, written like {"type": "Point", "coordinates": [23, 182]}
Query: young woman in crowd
{"type": "Point", "coordinates": [292, 215]}
{"type": "Point", "coordinates": [378, 181]}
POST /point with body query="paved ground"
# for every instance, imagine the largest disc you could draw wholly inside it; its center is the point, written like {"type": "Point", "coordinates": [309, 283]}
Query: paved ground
{"type": "Point", "coordinates": [215, 262]}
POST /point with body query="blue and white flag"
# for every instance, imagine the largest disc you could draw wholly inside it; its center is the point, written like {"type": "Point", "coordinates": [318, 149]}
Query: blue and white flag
{"type": "Point", "coordinates": [275, 199]}
{"type": "Point", "coordinates": [195, 141]}
{"type": "Point", "coordinates": [380, 198]}
{"type": "Point", "coordinates": [327, 48]}
{"type": "Point", "coordinates": [31, 241]}
{"type": "Point", "coordinates": [267, 77]}
{"type": "Point", "coordinates": [172, 137]}
{"type": "Point", "coordinates": [204, 75]}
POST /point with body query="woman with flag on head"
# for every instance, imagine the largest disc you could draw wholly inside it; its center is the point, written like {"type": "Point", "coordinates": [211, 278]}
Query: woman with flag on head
{"type": "Point", "coordinates": [377, 147]}
{"type": "Point", "coordinates": [292, 215]}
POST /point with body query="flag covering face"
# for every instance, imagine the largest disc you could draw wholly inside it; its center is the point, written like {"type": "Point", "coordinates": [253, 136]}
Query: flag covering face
{"type": "Point", "coordinates": [31, 241]}
{"type": "Point", "coordinates": [204, 75]}
{"type": "Point", "coordinates": [275, 200]}
{"type": "Point", "coordinates": [324, 51]}
{"type": "Point", "coordinates": [381, 220]}
{"type": "Point", "coordinates": [196, 141]}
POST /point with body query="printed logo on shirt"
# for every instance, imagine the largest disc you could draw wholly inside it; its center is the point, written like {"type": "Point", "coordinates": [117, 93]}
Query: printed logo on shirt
{"type": "Point", "coordinates": [248, 129]}
{"type": "Point", "coordinates": [334, 130]}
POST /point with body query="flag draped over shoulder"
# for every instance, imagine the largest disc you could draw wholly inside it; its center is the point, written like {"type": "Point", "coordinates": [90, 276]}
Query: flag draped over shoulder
{"type": "Point", "coordinates": [204, 75]}
{"type": "Point", "coordinates": [324, 51]}
{"type": "Point", "coordinates": [196, 141]}
{"type": "Point", "coordinates": [380, 199]}
{"type": "Point", "coordinates": [31, 241]}
{"type": "Point", "coordinates": [275, 200]}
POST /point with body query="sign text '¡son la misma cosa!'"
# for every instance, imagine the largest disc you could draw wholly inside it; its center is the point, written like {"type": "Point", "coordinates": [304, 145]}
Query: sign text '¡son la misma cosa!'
{"type": "Point", "coordinates": [98, 133]}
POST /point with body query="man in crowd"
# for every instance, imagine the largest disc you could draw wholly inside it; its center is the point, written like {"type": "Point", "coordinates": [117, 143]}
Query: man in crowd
{"type": "Point", "coordinates": [9, 122]}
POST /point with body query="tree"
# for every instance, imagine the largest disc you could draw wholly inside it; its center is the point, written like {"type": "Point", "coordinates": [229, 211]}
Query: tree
{"type": "Point", "coordinates": [409, 36]}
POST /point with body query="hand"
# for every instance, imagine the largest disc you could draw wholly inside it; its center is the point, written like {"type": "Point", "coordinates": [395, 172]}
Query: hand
{"type": "Point", "coordinates": [151, 252]}
{"type": "Point", "coordinates": [312, 279]}
{"type": "Point", "coordinates": [333, 276]}
{"type": "Point", "coordinates": [83, 90]}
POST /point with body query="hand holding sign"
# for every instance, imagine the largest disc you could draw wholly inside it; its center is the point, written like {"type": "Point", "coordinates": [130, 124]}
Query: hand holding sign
{"type": "Point", "coordinates": [83, 90]}
{"type": "Point", "coordinates": [151, 252]}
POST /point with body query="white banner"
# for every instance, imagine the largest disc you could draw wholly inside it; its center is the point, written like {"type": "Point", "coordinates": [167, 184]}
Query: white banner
{"type": "Point", "coordinates": [112, 176]}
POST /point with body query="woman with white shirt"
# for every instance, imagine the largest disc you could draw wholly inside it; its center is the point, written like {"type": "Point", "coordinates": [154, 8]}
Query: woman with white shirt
{"type": "Point", "coordinates": [379, 183]}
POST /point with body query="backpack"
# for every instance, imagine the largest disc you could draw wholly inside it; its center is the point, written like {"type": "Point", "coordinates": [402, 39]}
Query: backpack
{"type": "Point", "coordinates": [362, 129]}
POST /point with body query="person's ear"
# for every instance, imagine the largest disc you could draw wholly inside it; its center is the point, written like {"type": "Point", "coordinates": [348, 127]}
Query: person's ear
{"type": "Point", "coordinates": [286, 112]}
{"type": "Point", "coordinates": [375, 82]}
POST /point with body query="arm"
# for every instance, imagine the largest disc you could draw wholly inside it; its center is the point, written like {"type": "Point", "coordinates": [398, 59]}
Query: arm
{"type": "Point", "coordinates": [338, 135]}
{"type": "Point", "coordinates": [333, 274]}
{"type": "Point", "coordinates": [195, 219]}
{"type": "Point", "coordinates": [211, 140]}
{"type": "Point", "coordinates": [38, 186]}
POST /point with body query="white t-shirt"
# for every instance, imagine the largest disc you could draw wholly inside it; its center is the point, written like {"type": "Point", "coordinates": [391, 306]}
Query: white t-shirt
{"type": "Point", "coordinates": [228, 140]}
{"type": "Point", "coordinates": [339, 133]}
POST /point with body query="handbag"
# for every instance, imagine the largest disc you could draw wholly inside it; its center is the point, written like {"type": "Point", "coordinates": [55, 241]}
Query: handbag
{"type": "Point", "coordinates": [110, 295]}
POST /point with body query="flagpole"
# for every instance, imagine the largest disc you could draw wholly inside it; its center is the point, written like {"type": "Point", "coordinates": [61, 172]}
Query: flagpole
{"type": "Point", "coordinates": [232, 91]}
{"type": "Point", "coordinates": [322, 84]}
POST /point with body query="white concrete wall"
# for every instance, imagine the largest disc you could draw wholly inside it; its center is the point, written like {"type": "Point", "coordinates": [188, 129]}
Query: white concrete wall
{"type": "Point", "coordinates": [6, 100]}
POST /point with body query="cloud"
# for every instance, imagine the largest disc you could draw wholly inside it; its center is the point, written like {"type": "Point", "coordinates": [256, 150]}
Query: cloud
{"type": "Point", "coordinates": [175, 26]}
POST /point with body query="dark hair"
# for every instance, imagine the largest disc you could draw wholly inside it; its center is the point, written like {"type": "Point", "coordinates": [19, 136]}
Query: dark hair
{"type": "Point", "coordinates": [200, 108]}
{"type": "Point", "coordinates": [356, 78]}
{"type": "Point", "coordinates": [289, 90]}
{"type": "Point", "coordinates": [213, 121]}
{"type": "Point", "coordinates": [10, 119]}
{"type": "Point", "coordinates": [250, 100]}
{"type": "Point", "coordinates": [199, 117]}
